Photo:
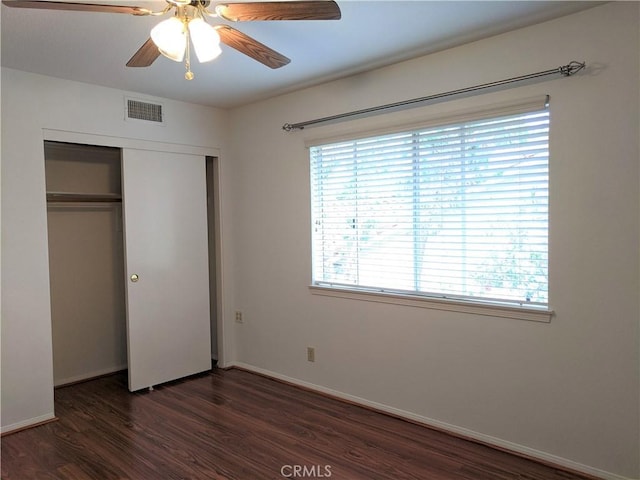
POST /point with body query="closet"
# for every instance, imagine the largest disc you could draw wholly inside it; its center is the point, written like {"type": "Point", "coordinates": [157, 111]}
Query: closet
{"type": "Point", "coordinates": [86, 260]}
{"type": "Point", "coordinates": [129, 263]}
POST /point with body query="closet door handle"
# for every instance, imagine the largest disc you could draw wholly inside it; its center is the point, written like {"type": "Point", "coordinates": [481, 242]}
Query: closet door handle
{"type": "Point", "coordinates": [134, 278]}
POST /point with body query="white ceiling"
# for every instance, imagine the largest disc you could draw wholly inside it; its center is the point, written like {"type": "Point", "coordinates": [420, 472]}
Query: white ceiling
{"type": "Point", "coordinates": [94, 47]}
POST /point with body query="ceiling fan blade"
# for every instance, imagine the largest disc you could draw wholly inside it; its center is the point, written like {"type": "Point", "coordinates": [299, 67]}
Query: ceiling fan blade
{"type": "Point", "coordinates": [145, 55]}
{"type": "Point", "coordinates": [296, 10]}
{"type": "Point", "coordinates": [251, 47]}
{"type": "Point", "coordinates": [78, 7]}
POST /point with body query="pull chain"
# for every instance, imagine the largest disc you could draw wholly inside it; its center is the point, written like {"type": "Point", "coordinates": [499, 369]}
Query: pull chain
{"type": "Point", "coordinates": [189, 74]}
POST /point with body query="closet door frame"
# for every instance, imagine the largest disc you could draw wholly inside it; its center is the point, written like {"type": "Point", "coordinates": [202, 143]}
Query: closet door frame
{"type": "Point", "coordinates": [129, 143]}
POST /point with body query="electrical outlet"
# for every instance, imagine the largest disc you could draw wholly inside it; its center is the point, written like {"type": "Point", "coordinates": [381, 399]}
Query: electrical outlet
{"type": "Point", "coordinates": [239, 318]}
{"type": "Point", "coordinates": [311, 354]}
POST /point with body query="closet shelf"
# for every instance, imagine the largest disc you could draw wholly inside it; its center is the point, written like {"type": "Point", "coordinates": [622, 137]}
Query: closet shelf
{"type": "Point", "coordinates": [83, 197]}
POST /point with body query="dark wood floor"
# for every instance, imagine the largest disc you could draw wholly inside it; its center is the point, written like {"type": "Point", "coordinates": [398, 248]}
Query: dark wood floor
{"type": "Point", "coordinates": [237, 425]}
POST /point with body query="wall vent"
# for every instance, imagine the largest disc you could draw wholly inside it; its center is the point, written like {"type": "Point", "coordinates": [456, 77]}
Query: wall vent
{"type": "Point", "coordinates": [139, 110]}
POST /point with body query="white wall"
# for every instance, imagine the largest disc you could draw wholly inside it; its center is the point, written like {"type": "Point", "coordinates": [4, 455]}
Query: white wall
{"type": "Point", "coordinates": [567, 391]}
{"type": "Point", "coordinates": [31, 103]}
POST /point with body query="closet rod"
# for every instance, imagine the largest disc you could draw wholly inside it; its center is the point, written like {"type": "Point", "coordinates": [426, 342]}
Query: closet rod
{"type": "Point", "coordinates": [63, 197]}
{"type": "Point", "coordinates": [92, 206]}
{"type": "Point", "coordinates": [565, 70]}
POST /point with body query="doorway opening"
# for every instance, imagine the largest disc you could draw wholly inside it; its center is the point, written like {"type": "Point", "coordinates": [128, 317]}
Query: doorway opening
{"type": "Point", "coordinates": [86, 263]}
{"type": "Point", "coordinates": [87, 259]}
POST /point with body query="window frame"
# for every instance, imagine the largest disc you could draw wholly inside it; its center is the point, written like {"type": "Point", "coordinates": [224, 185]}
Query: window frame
{"type": "Point", "coordinates": [474, 306]}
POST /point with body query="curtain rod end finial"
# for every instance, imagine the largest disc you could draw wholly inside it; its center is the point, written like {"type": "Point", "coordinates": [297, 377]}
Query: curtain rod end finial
{"type": "Point", "coordinates": [572, 68]}
{"type": "Point", "coordinates": [288, 127]}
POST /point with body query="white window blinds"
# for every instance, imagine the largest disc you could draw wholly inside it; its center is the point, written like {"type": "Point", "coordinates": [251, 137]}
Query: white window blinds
{"type": "Point", "coordinates": [456, 211]}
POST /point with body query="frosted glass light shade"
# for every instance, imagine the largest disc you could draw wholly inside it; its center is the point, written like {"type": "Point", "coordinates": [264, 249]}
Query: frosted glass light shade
{"type": "Point", "coordinates": [205, 38]}
{"type": "Point", "coordinates": [170, 38]}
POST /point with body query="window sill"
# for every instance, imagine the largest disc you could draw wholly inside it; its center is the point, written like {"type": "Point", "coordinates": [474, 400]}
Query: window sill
{"type": "Point", "coordinates": [533, 314]}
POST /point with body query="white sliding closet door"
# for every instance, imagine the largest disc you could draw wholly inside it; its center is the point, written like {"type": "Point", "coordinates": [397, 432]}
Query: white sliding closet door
{"type": "Point", "coordinates": [166, 247]}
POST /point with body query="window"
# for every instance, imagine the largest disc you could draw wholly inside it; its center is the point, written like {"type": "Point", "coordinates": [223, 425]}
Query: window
{"type": "Point", "coordinates": [457, 211]}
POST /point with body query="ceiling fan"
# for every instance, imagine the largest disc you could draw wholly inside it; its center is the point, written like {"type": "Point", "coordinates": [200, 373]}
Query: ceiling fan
{"type": "Point", "coordinates": [173, 37]}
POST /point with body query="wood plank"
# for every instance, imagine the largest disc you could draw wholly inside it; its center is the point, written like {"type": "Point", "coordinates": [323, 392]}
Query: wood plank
{"type": "Point", "coordinates": [237, 425]}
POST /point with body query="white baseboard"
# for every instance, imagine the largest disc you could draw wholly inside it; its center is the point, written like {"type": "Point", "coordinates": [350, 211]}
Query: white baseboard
{"type": "Point", "coordinates": [429, 422]}
{"type": "Point", "coordinates": [27, 423]}
{"type": "Point", "coordinates": [88, 375]}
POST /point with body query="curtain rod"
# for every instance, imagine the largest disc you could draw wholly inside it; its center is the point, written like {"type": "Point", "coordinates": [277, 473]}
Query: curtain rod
{"type": "Point", "coordinates": [566, 70]}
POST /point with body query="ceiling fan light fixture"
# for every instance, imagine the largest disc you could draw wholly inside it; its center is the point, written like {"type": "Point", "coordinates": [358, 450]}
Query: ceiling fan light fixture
{"type": "Point", "coordinates": [206, 41]}
{"type": "Point", "coordinates": [170, 38]}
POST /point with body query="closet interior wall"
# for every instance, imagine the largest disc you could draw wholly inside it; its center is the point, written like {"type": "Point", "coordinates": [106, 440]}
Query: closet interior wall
{"type": "Point", "coordinates": [211, 232]}
{"type": "Point", "coordinates": [86, 260]}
